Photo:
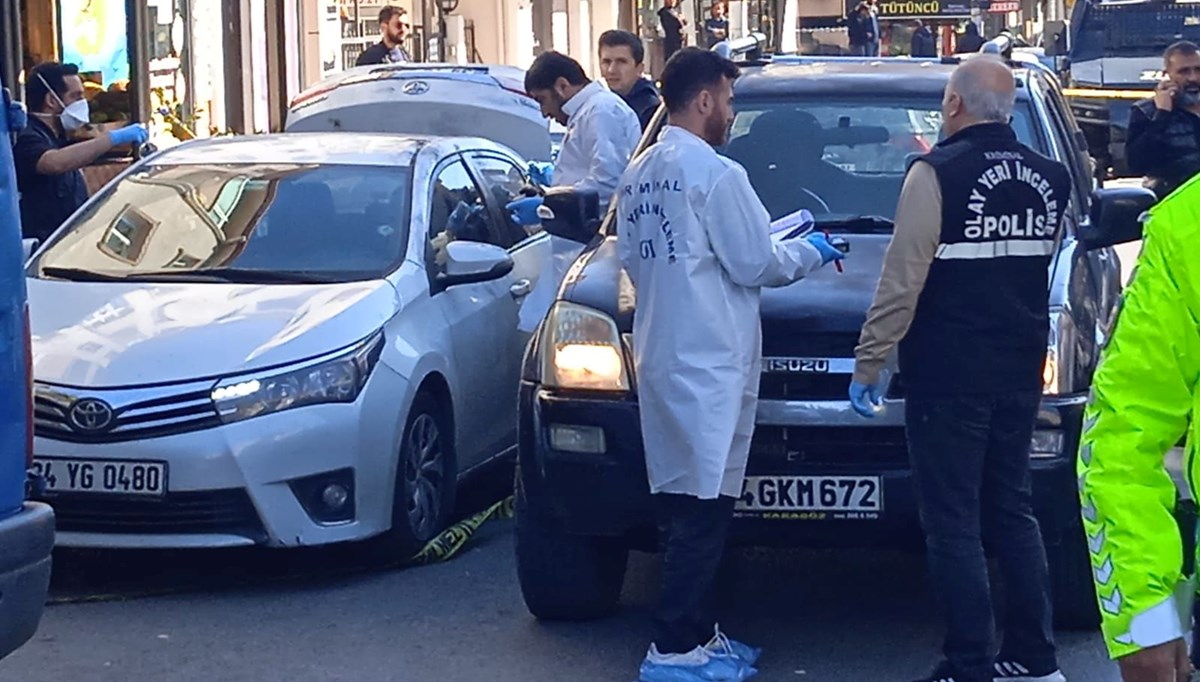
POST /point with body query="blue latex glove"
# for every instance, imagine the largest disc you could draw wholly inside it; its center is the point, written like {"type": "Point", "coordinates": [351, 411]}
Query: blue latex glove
{"type": "Point", "coordinates": [135, 134]}
{"type": "Point", "coordinates": [864, 398]}
{"type": "Point", "coordinates": [524, 211]}
{"type": "Point", "coordinates": [541, 173]}
{"type": "Point", "coordinates": [828, 252]}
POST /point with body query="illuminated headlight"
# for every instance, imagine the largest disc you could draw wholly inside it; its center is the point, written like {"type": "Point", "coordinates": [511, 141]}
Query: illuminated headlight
{"type": "Point", "coordinates": [335, 378]}
{"type": "Point", "coordinates": [581, 349]}
{"type": "Point", "coordinates": [1058, 372]}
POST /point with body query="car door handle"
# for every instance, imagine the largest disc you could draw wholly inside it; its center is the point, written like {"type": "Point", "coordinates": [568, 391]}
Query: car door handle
{"type": "Point", "coordinates": [521, 288]}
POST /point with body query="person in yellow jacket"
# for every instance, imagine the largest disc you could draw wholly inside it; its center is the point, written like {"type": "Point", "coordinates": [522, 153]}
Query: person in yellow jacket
{"type": "Point", "coordinates": [1143, 397]}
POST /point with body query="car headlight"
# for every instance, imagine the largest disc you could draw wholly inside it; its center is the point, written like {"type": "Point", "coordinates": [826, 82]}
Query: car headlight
{"type": "Point", "coordinates": [1058, 372]}
{"type": "Point", "coordinates": [581, 349]}
{"type": "Point", "coordinates": [335, 378]}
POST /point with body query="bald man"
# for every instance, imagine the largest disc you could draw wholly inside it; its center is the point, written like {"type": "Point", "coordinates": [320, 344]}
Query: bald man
{"type": "Point", "coordinates": [963, 294]}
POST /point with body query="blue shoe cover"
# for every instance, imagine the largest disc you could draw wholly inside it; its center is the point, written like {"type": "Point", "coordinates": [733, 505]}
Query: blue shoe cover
{"type": "Point", "coordinates": [702, 667]}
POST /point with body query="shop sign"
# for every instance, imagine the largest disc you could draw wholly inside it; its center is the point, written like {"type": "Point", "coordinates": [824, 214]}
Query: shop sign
{"type": "Point", "coordinates": [1004, 7]}
{"type": "Point", "coordinates": [924, 9]}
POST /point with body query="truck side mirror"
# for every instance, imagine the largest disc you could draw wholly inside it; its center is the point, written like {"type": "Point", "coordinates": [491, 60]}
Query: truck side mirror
{"type": "Point", "coordinates": [1116, 216]}
{"type": "Point", "coordinates": [572, 214]}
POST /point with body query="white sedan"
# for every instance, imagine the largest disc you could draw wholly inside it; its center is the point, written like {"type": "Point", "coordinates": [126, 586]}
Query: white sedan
{"type": "Point", "coordinates": [282, 340]}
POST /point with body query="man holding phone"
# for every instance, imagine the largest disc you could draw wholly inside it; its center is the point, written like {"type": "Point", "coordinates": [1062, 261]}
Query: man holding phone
{"type": "Point", "coordinates": [1164, 130]}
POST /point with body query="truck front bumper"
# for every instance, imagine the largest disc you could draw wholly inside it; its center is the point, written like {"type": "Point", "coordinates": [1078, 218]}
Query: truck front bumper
{"type": "Point", "coordinates": [605, 491]}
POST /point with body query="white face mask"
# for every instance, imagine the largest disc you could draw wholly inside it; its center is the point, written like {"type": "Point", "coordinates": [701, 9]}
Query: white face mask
{"type": "Point", "coordinates": [73, 117]}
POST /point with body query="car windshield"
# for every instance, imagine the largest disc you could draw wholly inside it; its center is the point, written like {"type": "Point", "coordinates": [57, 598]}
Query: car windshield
{"type": "Point", "coordinates": [838, 157]}
{"type": "Point", "coordinates": [243, 223]}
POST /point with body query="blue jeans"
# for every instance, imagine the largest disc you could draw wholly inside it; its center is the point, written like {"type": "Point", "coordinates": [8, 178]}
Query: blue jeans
{"type": "Point", "coordinates": [970, 463]}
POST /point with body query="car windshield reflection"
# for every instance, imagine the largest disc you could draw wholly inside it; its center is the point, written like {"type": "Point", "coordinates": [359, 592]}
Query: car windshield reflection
{"type": "Point", "coordinates": [242, 222]}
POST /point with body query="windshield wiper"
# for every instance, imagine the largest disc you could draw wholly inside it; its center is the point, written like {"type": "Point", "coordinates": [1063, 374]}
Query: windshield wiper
{"type": "Point", "coordinates": [846, 222]}
{"type": "Point", "coordinates": [225, 275]}
{"type": "Point", "coordinates": [80, 275]}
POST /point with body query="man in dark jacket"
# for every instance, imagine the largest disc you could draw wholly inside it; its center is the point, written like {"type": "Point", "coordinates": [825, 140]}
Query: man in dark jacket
{"type": "Point", "coordinates": [859, 26]}
{"type": "Point", "coordinates": [672, 24]}
{"type": "Point", "coordinates": [1164, 130]}
{"type": "Point", "coordinates": [924, 44]}
{"type": "Point", "coordinates": [970, 41]}
{"type": "Point", "coordinates": [393, 29]}
{"type": "Point", "coordinates": [622, 64]}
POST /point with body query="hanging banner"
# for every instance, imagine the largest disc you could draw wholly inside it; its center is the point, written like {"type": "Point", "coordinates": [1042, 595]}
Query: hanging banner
{"type": "Point", "coordinates": [94, 37]}
{"type": "Point", "coordinates": [920, 9]}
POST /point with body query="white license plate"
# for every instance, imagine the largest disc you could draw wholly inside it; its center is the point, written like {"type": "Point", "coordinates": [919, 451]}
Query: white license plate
{"type": "Point", "coordinates": [811, 493]}
{"type": "Point", "coordinates": [102, 476]}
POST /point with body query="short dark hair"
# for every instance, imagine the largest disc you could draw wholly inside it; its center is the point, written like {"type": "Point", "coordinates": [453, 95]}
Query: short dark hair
{"type": "Point", "coordinates": [389, 11]}
{"type": "Point", "coordinates": [691, 71]}
{"type": "Point", "coordinates": [1185, 48]}
{"type": "Point", "coordinates": [620, 38]}
{"type": "Point", "coordinates": [54, 75]}
{"type": "Point", "coordinates": [549, 67]}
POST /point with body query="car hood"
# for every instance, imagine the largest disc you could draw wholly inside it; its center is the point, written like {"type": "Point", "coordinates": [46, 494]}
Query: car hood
{"type": "Point", "coordinates": [1141, 73]}
{"type": "Point", "coordinates": [825, 301]}
{"type": "Point", "coordinates": [115, 334]}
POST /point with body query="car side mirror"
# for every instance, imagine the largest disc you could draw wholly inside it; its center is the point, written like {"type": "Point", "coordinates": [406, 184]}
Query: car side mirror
{"type": "Point", "coordinates": [572, 214]}
{"type": "Point", "coordinates": [28, 246]}
{"type": "Point", "coordinates": [1116, 216]}
{"type": "Point", "coordinates": [472, 262]}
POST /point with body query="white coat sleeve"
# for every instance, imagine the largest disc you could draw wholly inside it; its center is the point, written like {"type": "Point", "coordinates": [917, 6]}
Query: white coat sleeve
{"type": "Point", "coordinates": [739, 230]}
{"type": "Point", "coordinates": [613, 133]}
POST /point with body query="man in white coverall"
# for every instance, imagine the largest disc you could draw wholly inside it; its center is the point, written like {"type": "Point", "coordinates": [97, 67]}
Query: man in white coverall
{"type": "Point", "coordinates": [602, 132]}
{"type": "Point", "coordinates": [695, 241]}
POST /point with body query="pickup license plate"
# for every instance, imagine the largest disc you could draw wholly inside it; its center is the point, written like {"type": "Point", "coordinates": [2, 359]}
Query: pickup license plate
{"type": "Point", "coordinates": [102, 476]}
{"type": "Point", "coordinates": [842, 494]}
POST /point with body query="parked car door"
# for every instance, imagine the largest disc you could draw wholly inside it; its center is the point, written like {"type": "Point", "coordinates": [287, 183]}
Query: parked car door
{"type": "Point", "coordinates": [481, 317]}
{"type": "Point", "coordinates": [502, 178]}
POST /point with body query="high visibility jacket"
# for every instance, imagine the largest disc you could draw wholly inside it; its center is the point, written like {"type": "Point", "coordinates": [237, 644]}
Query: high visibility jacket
{"type": "Point", "coordinates": [1143, 397]}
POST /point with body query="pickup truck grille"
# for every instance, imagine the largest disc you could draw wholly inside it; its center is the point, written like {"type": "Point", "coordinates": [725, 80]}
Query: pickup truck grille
{"type": "Point", "coordinates": [786, 339]}
{"type": "Point", "coordinates": [804, 387]}
{"type": "Point", "coordinates": [783, 448]}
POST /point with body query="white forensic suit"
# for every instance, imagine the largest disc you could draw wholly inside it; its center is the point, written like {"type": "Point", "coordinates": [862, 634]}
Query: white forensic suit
{"type": "Point", "coordinates": [602, 132]}
{"type": "Point", "coordinates": [695, 240]}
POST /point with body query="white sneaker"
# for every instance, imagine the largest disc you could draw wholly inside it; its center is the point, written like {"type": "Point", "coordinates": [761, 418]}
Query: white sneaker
{"type": "Point", "coordinates": [1012, 671]}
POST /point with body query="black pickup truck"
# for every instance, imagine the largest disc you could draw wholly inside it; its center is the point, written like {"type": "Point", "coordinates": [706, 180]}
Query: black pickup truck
{"type": "Point", "coordinates": [834, 135]}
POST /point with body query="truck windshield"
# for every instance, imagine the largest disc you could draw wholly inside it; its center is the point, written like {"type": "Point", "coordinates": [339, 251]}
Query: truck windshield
{"type": "Point", "coordinates": [1131, 29]}
{"type": "Point", "coordinates": [838, 156]}
{"type": "Point", "coordinates": [241, 222]}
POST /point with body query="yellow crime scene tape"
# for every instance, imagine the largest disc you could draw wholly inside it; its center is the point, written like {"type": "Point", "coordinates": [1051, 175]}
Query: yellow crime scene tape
{"type": "Point", "coordinates": [444, 547]}
{"type": "Point", "coordinates": [1107, 94]}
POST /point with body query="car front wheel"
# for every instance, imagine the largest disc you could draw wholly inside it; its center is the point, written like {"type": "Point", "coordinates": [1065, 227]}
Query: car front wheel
{"type": "Point", "coordinates": [425, 480]}
{"type": "Point", "coordinates": [564, 576]}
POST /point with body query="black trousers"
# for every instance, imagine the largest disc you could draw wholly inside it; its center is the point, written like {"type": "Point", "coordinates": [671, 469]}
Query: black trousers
{"type": "Point", "coordinates": [692, 533]}
{"type": "Point", "coordinates": [970, 462]}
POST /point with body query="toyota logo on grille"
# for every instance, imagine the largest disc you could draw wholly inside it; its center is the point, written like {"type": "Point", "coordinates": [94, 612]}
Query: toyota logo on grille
{"type": "Point", "coordinates": [90, 415]}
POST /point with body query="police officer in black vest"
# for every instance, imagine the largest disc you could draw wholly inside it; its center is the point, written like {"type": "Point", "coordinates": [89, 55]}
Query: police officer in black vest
{"type": "Point", "coordinates": [1164, 130]}
{"type": "Point", "coordinates": [963, 293]}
